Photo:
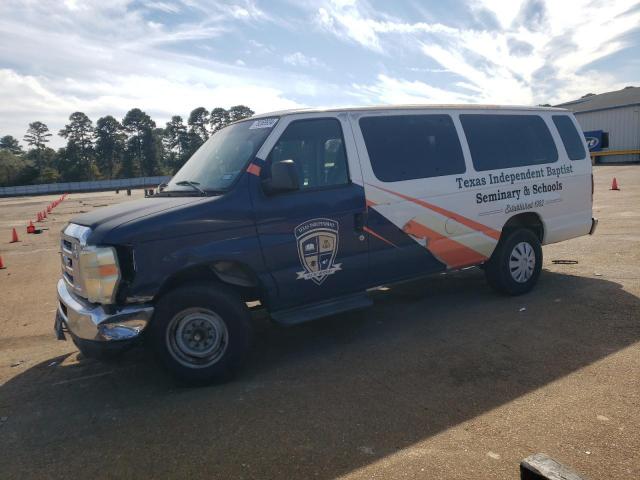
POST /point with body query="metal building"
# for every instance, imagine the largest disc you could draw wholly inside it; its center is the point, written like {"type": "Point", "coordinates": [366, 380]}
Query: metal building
{"type": "Point", "coordinates": [611, 123]}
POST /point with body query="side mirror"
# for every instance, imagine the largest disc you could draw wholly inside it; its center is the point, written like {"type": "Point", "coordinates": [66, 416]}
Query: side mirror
{"type": "Point", "coordinates": [284, 178]}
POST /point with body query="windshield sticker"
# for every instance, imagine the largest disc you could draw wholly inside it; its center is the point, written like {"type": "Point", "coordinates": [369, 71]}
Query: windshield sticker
{"type": "Point", "coordinates": [263, 123]}
{"type": "Point", "coordinates": [317, 242]}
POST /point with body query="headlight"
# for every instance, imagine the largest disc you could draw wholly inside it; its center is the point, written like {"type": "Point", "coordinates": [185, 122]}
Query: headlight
{"type": "Point", "coordinates": [100, 273]}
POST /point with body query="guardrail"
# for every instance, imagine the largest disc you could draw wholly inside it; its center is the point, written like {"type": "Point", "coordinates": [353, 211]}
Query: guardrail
{"type": "Point", "coordinates": [91, 186]}
{"type": "Point", "coordinates": [604, 153]}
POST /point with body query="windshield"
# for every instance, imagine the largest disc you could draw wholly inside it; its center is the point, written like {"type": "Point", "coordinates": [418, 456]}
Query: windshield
{"type": "Point", "coordinates": [218, 162]}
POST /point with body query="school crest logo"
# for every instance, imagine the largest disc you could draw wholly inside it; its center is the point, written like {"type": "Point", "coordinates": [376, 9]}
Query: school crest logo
{"type": "Point", "coordinates": [317, 242]}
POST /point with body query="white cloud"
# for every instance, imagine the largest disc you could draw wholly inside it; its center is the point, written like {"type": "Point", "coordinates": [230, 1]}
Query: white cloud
{"type": "Point", "coordinates": [107, 58]}
{"type": "Point", "coordinates": [355, 20]}
{"type": "Point", "coordinates": [526, 61]}
{"type": "Point", "coordinates": [342, 17]}
{"type": "Point", "coordinates": [389, 90]}
{"type": "Point", "coordinates": [245, 10]}
{"type": "Point", "coordinates": [165, 7]}
{"type": "Point", "coordinates": [505, 11]}
{"type": "Point", "coordinates": [299, 59]}
{"type": "Point", "coordinates": [51, 101]}
{"type": "Point", "coordinates": [71, 4]}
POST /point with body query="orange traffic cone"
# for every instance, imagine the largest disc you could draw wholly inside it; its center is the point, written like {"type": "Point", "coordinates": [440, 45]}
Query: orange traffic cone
{"type": "Point", "coordinates": [2, 264]}
{"type": "Point", "coordinates": [614, 184]}
{"type": "Point", "coordinates": [44, 214]}
{"type": "Point", "coordinates": [39, 219]}
{"type": "Point", "coordinates": [14, 236]}
{"type": "Point", "coordinates": [49, 209]}
{"type": "Point", "coordinates": [31, 228]}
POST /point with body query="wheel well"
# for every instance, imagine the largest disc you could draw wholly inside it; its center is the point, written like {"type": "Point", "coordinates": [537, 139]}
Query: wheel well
{"type": "Point", "coordinates": [233, 274]}
{"type": "Point", "coordinates": [529, 220]}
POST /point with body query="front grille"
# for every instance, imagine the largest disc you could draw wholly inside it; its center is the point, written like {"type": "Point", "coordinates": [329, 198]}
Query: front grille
{"type": "Point", "coordinates": [69, 255]}
{"type": "Point", "coordinates": [73, 237]}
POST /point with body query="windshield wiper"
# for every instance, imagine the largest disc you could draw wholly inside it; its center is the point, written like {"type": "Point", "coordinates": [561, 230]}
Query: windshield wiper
{"type": "Point", "coordinates": [194, 185]}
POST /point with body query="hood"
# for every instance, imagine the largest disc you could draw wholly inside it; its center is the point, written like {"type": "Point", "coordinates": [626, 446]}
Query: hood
{"type": "Point", "coordinates": [107, 218]}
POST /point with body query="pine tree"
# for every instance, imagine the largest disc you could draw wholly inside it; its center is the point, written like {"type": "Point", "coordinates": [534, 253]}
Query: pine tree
{"type": "Point", "coordinates": [132, 148]}
{"type": "Point", "coordinates": [176, 142]}
{"type": "Point", "coordinates": [79, 135]}
{"type": "Point", "coordinates": [37, 137]}
{"type": "Point", "coordinates": [140, 157]}
{"type": "Point", "coordinates": [11, 145]}
{"type": "Point", "coordinates": [110, 145]}
{"type": "Point", "coordinates": [198, 132]}
{"type": "Point", "coordinates": [239, 112]}
{"type": "Point", "coordinates": [219, 119]}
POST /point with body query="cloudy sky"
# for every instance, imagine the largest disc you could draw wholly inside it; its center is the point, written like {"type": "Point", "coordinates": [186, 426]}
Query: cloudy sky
{"type": "Point", "coordinates": [107, 56]}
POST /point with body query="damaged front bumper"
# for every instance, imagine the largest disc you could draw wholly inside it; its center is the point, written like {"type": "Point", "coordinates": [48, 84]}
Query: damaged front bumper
{"type": "Point", "coordinates": [91, 322]}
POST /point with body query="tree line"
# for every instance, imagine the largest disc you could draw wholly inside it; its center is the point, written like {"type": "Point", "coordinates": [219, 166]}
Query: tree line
{"type": "Point", "coordinates": [133, 147]}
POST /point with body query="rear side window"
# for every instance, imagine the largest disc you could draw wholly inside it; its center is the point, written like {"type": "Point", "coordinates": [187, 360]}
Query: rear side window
{"type": "Point", "coordinates": [570, 137]}
{"type": "Point", "coordinates": [406, 147]}
{"type": "Point", "coordinates": [506, 141]}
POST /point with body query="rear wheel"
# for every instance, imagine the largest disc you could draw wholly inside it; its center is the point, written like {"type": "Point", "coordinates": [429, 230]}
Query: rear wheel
{"type": "Point", "coordinates": [201, 332]}
{"type": "Point", "coordinates": [515, 265]}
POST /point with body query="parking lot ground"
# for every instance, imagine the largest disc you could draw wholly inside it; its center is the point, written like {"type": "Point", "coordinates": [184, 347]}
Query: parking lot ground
{"type": "Point", "coordinates": [441, 378]}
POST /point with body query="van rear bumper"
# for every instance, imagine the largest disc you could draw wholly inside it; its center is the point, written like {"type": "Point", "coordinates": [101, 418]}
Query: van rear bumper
{"type": "Point", "coordinates": [594, 225]}
{"type": "Point", "coordinates": [87, 321]}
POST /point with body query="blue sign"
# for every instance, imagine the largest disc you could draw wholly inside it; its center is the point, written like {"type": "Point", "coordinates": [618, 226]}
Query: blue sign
{"type": "Point", "coordinates": [594, 140]}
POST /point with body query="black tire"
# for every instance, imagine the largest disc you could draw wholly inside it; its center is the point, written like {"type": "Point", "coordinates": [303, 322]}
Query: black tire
{"type": "Point", "coordinates": [201, 333]}
{"type": "Point", "coordinates": [514, 267]}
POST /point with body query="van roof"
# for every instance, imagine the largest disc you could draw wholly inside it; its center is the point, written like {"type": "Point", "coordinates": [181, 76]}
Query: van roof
{"type": "Point", "coordinates": [375, 108]}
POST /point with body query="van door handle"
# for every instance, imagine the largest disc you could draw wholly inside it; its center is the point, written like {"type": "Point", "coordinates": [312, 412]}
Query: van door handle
{"type": "Point", "coordinates": [359, 220]}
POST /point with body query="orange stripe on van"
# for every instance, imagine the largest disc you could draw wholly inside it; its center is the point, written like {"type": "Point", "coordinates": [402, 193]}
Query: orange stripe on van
{"type": "Point", "coordinates": [379, 237]}
{"type": "Point", "coordinates": [490, 232]}
{"type": "Point", "coordinates": [254, 169]}
{"type": "Point", "coordinates": [448, 251]}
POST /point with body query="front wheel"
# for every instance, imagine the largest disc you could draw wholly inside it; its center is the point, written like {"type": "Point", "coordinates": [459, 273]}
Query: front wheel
{"type": "Point", "coordinates": [201, 333]}
{"type": "Point", "coordinates": [515, 265]}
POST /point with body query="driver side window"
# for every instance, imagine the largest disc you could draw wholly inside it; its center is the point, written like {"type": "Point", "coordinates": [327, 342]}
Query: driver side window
{"type": "Point", "coordinates": [317, 148]}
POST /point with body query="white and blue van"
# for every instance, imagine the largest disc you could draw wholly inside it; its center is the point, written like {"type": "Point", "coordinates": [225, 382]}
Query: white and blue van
{"type": "Point", "coordinates": [307, 210]}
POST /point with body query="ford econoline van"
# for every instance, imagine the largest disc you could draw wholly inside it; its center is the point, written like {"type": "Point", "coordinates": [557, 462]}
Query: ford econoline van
{"type": "Point", "coordinates": [305, 211]}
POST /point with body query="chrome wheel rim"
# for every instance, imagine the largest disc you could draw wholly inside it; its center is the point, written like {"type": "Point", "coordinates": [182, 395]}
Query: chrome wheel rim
{"type": "Point", "coordinates": [197, 337]}
{"type": "Point", "coordinates": [522, 262]}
